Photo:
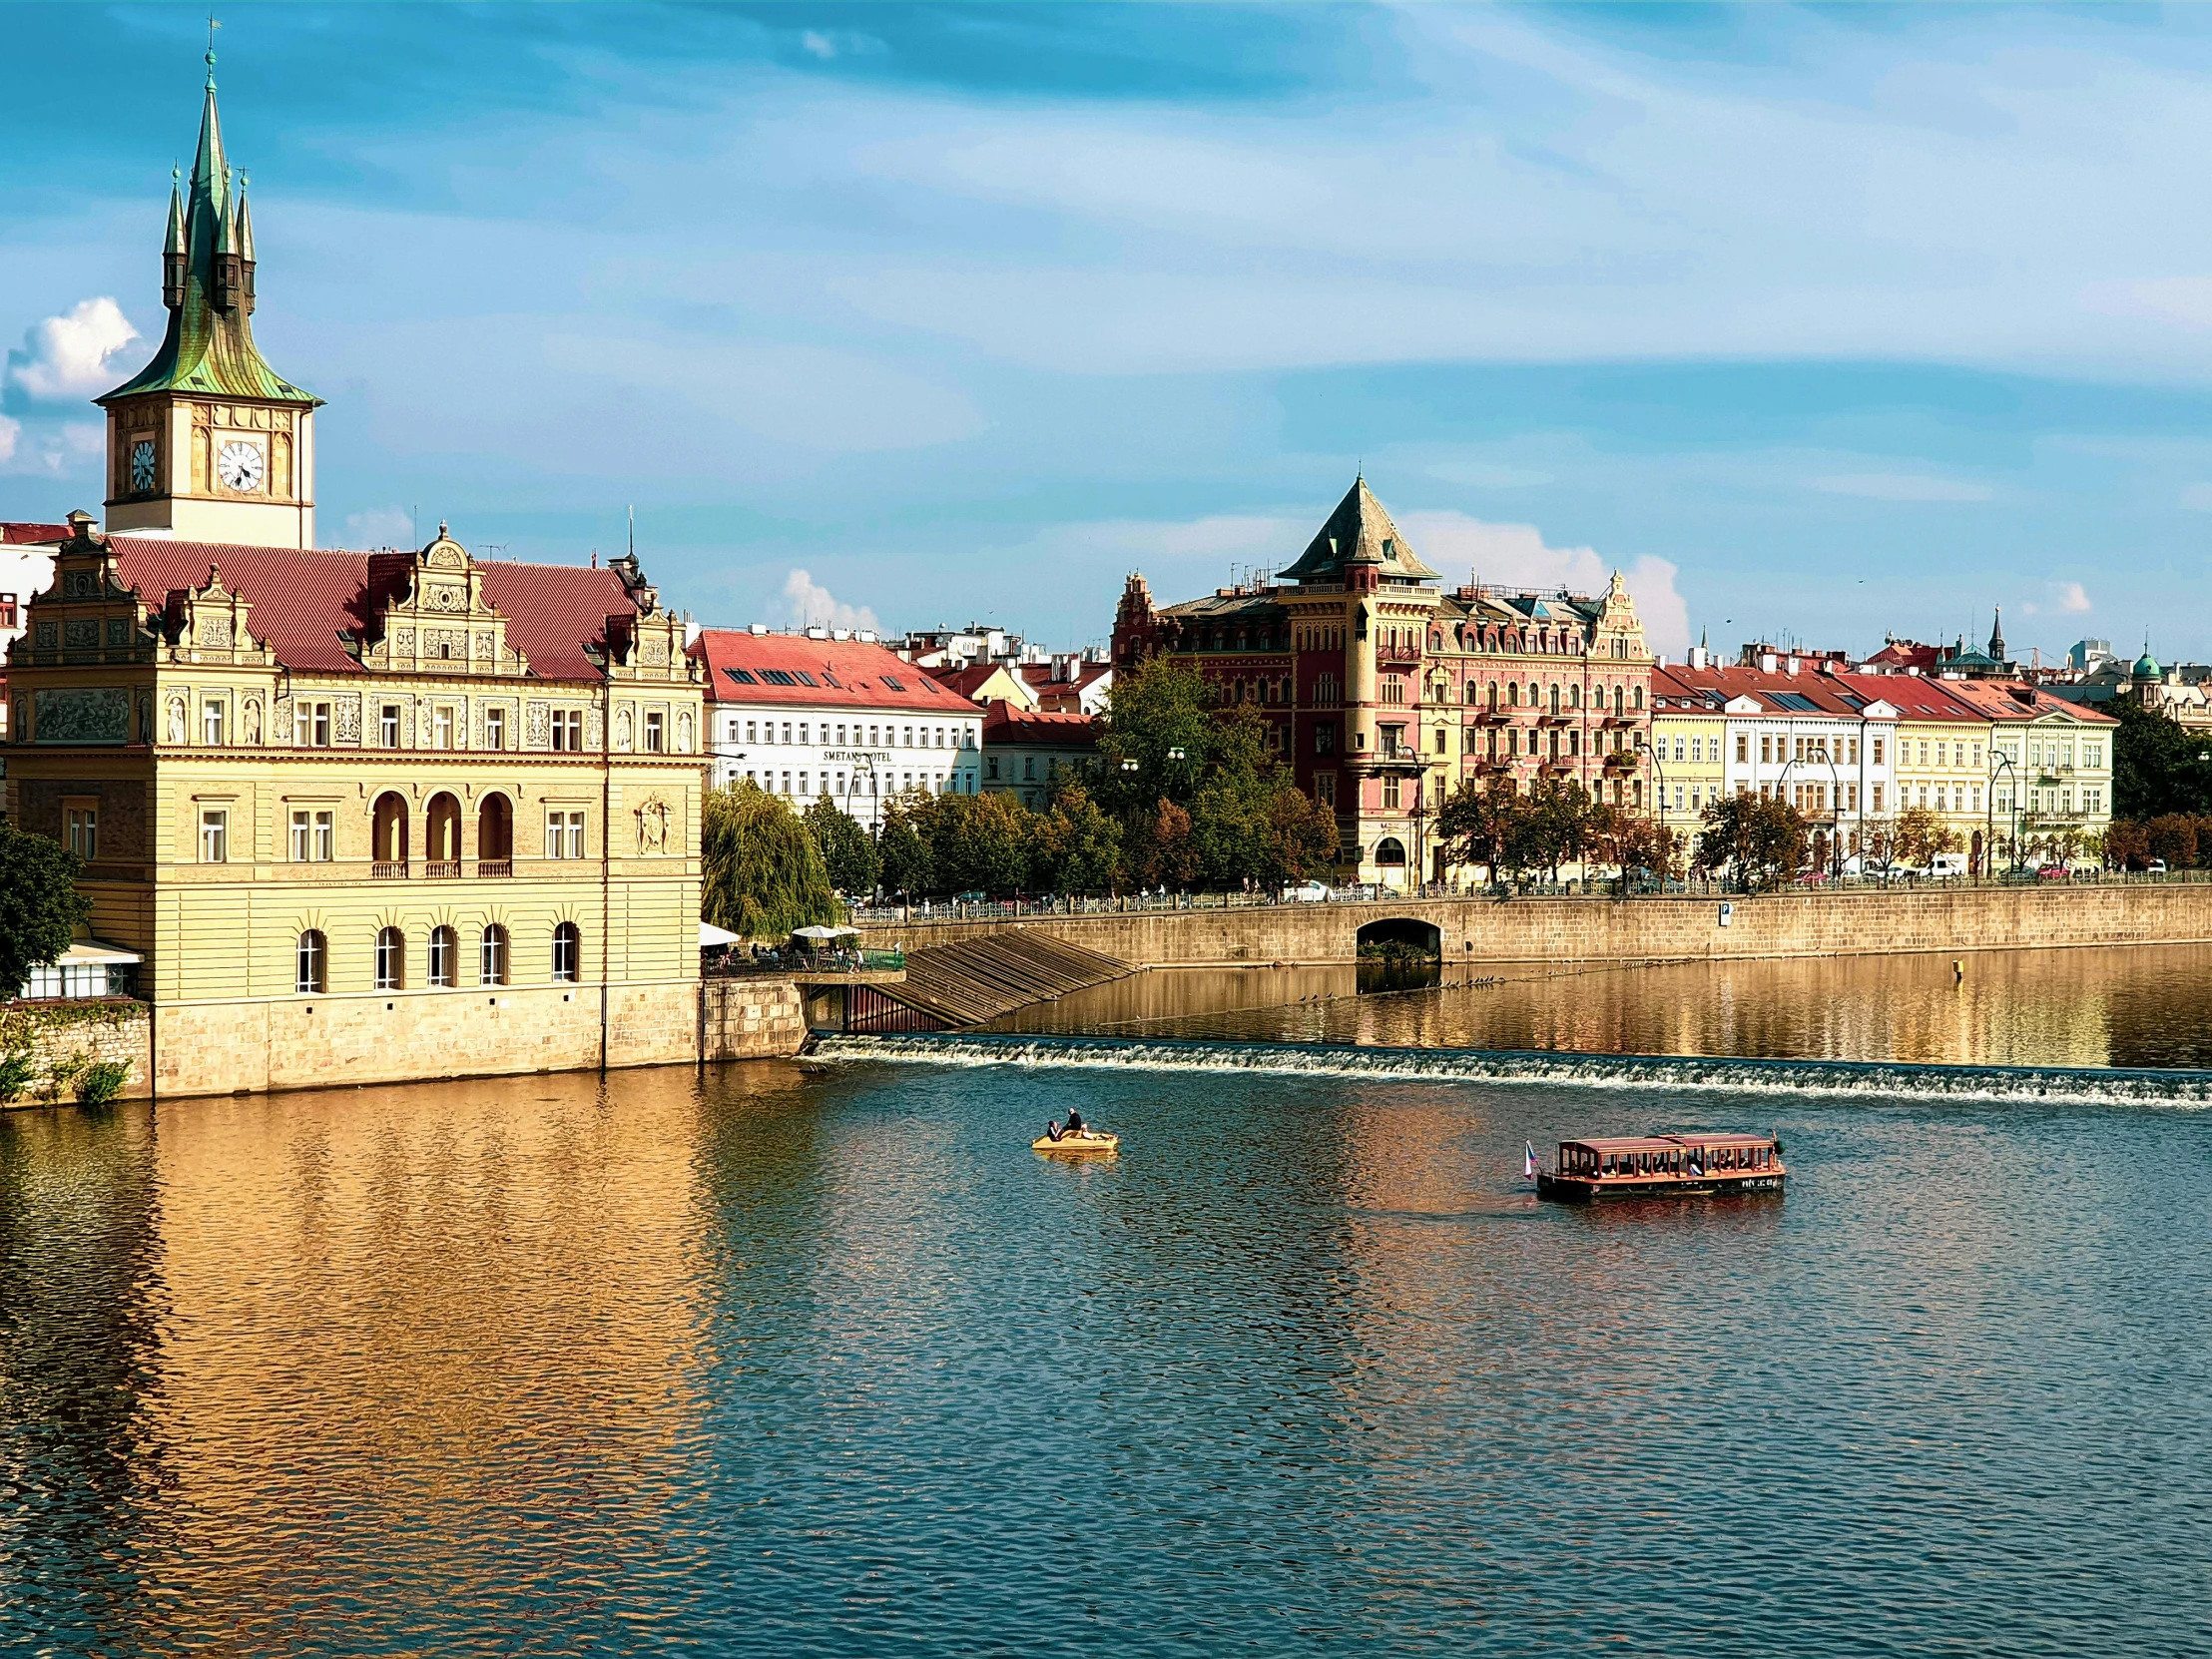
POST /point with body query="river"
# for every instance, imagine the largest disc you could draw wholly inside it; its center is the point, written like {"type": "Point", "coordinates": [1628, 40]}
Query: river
{"type": "Point", "coordinates": [778, 1358]}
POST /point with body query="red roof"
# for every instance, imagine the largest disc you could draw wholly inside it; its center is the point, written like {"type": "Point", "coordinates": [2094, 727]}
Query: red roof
{"type": "Point", "coordinates": [1819, 692]}
{"type": "Point", "coordinates": [965, 681]}
{"type": "Point", "coordinates": [2014, 700]}
{"type": "Point", "coordinates": [11, 531]}
{"type": "Point", "coordinates": [838, 674]}
{"type": "Point", "coordinates": [302, 599]}
{"type": "Point", "coordinates": [1004, 724]}
{"type": "Point", "coordinates": [1915, 696]}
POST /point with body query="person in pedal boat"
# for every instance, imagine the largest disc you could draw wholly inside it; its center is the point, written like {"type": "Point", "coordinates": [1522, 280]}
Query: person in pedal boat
{"type": "Point", "coordinates": [1074, 1125]}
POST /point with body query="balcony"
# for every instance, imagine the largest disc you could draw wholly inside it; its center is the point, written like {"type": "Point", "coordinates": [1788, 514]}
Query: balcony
{"type": "Point", "coordinates": [441, 870]}
{"type": "Point", "coordinates": [389, 869]}
{"type": "Point", "coordinates": [494, 868]}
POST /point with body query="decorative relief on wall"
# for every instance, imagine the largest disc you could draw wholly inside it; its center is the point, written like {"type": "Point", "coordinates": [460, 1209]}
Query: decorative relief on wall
{"type": "Point", "coordinates": [80, 636]}
{"type": "Point", "coordinates": [538, 731]}
{"type": "Point", "coordinates": [482, 646]}
{"type": "Point", "coordinates": [402, 642]}
{"type": "Point", "coordinates": [214, 632]}
{"type": "Point", "coordinates": [47, 636]}
{"type": "Point", "coordinates": [119, 630]}
{"type": "Point", "coordinates": [346, 717]}
{"type": "Point", "coordinates": [595, 727]}
{"type": "Point", "coordinates": [653, 822]}
{"type": "Point", "coordinates": [90, 713]}
{"type": "Point", "coordinates": [251, 722]}
{"type": "Point", "coordinates": [653, 653]}
{"type": "Point", "coordinates": [445, 643]}
{"type": "Point", "coordinates": [684, 733]}
{"type": "Point", "coordinates": [176, 720]}
{"type": "Point", "coordinates": [622, 730]}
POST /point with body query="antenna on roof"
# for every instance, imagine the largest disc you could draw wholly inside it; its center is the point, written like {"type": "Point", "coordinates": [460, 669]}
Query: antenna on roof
{"type": "Point", "coordinates": [633, 532]}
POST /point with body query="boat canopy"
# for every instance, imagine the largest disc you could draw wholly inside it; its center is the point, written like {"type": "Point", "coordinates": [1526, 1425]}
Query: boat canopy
{"type": "Point", "coordinates": [1668, 1142]}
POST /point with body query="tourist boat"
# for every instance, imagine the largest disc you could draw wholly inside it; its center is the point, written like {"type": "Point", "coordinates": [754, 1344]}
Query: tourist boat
{"type": "Point", "coordinates": [1076, 1140]}
{"type": "Point", "coordinates": [1663, 1166]}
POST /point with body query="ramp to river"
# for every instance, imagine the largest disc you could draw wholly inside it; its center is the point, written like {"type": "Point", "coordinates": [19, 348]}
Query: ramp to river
{"type": "Point", "coordinates": [973, 981]}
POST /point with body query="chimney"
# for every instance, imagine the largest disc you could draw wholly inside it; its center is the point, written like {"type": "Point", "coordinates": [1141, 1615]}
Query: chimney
{"type": "Point", "coordinates": [1791, 669]}
{"type": "Point", "coordinates": [1767, 662]}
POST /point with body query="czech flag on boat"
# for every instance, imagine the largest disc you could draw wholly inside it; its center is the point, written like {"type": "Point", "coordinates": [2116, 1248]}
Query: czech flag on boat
{"type": "Point", "coordinates": [1528, 1159]}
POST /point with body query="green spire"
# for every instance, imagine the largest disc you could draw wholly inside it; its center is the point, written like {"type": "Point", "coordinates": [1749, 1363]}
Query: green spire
{"type": "Point", "coordinates": [207, 285]}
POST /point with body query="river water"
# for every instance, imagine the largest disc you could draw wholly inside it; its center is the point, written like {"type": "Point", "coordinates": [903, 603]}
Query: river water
{"type": "Point", "coordinates": [779, 1361]}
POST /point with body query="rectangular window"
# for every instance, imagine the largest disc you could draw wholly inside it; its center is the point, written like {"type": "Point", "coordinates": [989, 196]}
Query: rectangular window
{"type": "Point", "coordinates": [311, 725]}
{"type": "Point", "coordinates": [441, 726]}
{"type": "Point", "coordinates": [1743, 749]}
{"type": "Point", "coordinates": [1325, 738]}
{"type": "Point", "coordinates": [1765, 749]}
{"type": "Point", "coordinates": [1877, 797]}
{"type": "Point", "coordinates": [84, 832]}
{"type": "Point", "coordinates": [654, 719]}
{"type": "Point", "coordinates": [786, 731]}
{"type": "Point", "coordinates": [752, 732]}
{"type": "Point", "coordinates": [7, 611]}
{"type": "Point", "coordinates": [211, 723]}
{"type": "Point", "coordinates": [564, 834]}
{"type": "Point", "coordinates": [214, 835]}
{"type": "Point", "coordinates": [568, 730]}
{"type": "Point", "coordinates": [387, 726]}
{"type": "Point", "coordinates": [1854, 788]}
{"type": "Point", "coordinates": [1877, 761]}
{"type": "Point", "coordinates": [1325, 788]}
{"type": "Point", "coordinates": [1390, 792]}
{"type": "Point", "coordinates": [495, 728]}
{"type": "Point", "coordinates": [313, 835]}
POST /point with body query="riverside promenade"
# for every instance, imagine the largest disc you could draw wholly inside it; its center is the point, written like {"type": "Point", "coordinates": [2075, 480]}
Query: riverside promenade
{"type": "Point", "coordinates": [1672, 928]}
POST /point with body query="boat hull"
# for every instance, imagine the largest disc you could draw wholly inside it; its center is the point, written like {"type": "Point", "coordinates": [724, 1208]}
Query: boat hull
{"type": "Point", "coordinates": [1076, 1145]}
{"type": "Point", "coordinates": [1575, 1189]}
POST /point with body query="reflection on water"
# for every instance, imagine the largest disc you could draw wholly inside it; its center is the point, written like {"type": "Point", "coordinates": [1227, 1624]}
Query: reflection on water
{"type": "Point", "coordinates": [2139, 1006]}
{"type": "Point", "coordinates": [758, 1362]}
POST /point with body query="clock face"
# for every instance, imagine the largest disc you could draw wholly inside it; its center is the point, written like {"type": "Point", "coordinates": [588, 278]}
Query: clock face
{"type": "Point", "coordinates": [239, 465]}
{"type": "Point", "coordinates": [142, 464]}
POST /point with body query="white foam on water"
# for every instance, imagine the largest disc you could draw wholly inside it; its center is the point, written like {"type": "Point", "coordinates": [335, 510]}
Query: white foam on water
{"type": "Point", "coordinates": [2053, 1084]}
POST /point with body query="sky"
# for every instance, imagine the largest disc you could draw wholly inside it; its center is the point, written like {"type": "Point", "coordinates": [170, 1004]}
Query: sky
{"type": "Point", "coordinates": [1821, 324]}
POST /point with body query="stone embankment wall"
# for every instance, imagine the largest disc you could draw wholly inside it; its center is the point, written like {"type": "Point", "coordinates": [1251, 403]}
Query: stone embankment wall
{"type": "Point", "coordinates": [1634, 929]}
{"type": "Point", "coordinates": [750, 1019]}
{"type": "Point", "coordinates": [58, 1035]}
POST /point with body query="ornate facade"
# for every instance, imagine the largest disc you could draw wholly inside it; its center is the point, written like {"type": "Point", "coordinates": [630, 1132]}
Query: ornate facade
{"type": "Point", "coordinates": [363, 816]}
{"type": "Point", "coordinates": [1383, 691]}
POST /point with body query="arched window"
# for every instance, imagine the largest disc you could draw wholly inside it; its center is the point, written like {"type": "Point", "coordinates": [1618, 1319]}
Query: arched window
{"type": "Point", "coordinates": [495, 835]}
{"type": "Point", "coordinates": [1639, 697]}
{"type": "Point", "coordinates": [1512, 694]}
{"type": "Point", "coordinates": [492, 964]}
{"type": "Point", "coordinates": [391, 960]}
{"type": "Point", "coordinates": [568, 950]}
{"type": "Point", "coordinates": [445, 951]}
{"type": "Point", "coordinates": [388, 833]}
{"type": "Point", "coordinates": [1574, 696]}
{"type": "Point", "coordinates": [442, 836]}
{"type": "Point", "coordinates": [312, 972]}
{"type": "Point", "coordinates": [1390, 851]}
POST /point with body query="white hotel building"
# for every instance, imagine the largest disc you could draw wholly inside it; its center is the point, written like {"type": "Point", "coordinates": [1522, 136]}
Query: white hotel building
{"type": "Point", "coordinates": [828, 711]}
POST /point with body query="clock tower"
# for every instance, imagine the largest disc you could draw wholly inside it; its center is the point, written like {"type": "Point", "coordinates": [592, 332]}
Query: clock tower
{"type": "Point", "coordinates": [206, 443]}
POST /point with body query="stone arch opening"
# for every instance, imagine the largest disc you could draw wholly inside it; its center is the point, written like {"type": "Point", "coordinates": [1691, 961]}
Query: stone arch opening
{"type": "Point", "coordinates": [443, 830]}
{"type": "Point", "coordinates": [388, 829]}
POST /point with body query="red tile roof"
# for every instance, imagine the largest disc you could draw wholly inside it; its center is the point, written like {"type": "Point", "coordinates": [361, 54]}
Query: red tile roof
{"type": "Point", "coordinates": [1005, 724]}
{"type": "Point", "coordinates": [304, 599]}
{"type": "Point", "coordinates": [965, 681]}
{"type": "Point", "coordinates": [1915, 696]}
{"type": "Point", "coordinates": [2012, 699]}
{"type": "Point", "coordinates": [846, 674]}
{"type": "Point", "coordinates": [16, 531]}
{"type": "Point", "coordinates": [1819, 690]}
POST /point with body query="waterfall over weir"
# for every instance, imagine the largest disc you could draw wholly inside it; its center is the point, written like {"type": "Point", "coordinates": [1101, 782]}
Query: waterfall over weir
{"type": "Point", "coordinates": [2056, 1084]}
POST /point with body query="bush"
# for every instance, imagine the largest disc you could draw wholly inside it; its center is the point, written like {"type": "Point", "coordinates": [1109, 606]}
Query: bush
{"type": "Point", "coordinates": [61, 1076]}
{"type": "Point", "coordinates": [17, 1069]}
{"type": "Point", "coordinates": [100, 1083]}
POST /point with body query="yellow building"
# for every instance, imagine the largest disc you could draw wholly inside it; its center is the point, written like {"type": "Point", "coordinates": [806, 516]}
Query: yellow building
{"type": "Point", "coordinates": [1688, 724]}
{"type": "Point", "coordinates": [363, 816]}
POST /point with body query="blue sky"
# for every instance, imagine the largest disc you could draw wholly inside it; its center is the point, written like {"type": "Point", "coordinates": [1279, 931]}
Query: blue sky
{"type": "Point", "coordinates": [1819, 324]}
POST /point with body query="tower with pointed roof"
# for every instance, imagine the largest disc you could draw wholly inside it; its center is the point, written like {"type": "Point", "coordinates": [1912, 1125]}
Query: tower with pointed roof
{"type": "Point", "coordinates": [206, 442]}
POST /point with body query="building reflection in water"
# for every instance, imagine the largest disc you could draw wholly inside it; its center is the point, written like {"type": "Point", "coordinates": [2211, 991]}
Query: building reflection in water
{"type": "Point", "coordinates": [2145, 1005]}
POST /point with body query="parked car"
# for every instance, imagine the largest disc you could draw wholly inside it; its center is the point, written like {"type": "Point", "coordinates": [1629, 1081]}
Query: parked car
{"type": "Point", "coordinates": [1947, 866]}
{"type": "Point", "coordinates": [2052, 872]}
{"type": "Point", "coordinates": [1307, 893]}
{"type": "Point", "coordinates": [2157, 867]}
{"type": "Point", "coordinates": [968, 898]}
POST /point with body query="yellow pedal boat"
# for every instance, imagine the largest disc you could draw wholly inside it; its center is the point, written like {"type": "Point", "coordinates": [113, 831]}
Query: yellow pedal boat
{"type": "Point", "coordinates": [1078, 1140]}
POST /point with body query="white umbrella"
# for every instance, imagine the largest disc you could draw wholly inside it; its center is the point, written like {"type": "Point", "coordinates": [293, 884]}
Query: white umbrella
{"type": "Point", "coordinates": [710, 934]}
{"type": "Point", "coordinates": [817, 931]}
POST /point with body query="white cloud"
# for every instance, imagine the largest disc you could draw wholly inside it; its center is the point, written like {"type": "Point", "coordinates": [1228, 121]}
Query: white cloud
{"type": "Point", "coordinates": [67, 358]}
{"type": "Point", "coordinates": [9, 430]}
{"type": "Point", "coordinates": [818, 44]}
{"type": "Point", "coordinates": [811, 604]}
{"type": "Point", "coordinates": [380, 527]}
{"type": "Point", "coordinates": [1901, 486]}
{"type": "Point", "coordinates": [1518, 555]}
{"type": "Point", "coordinates": [2070, 596]}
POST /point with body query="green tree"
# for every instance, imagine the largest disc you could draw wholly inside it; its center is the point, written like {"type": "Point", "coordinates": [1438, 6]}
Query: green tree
{"type": "Point", "coordinates": [1919, 834]}
{"type": "Point", "coordinates": [1161, 851]}
{"type": "Point", "coordinates": [1079, 845]}
{"type": "Point", "coordinates": [847, 852]}
{"type": "Point", "coordinates": [761, 873]}
{"type": "Point", "coordinates": [1562, 823]}
{"type": "Point", "coordinates": [903, 851]}
{"type": "Point", "coordinates": [1479, 824]}
{"type": "Point", "coordinates": [979, 842]}
{"type": "Point", "coordinates": [1761, 837]}
{"type": "Point", "coordinates": [2157, 763]}
{"type": "Point", "coordinates": [39, 906]}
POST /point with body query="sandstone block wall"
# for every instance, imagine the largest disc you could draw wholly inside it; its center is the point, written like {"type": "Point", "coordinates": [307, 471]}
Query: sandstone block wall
{"type": "Point", "coordinates": [1633, 930]}
{"type": "Point", "coordinates": [750, 1019]}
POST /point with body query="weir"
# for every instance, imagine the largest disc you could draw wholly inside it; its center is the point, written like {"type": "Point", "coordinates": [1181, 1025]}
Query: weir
{"type": "Point", "coordinates": [2055, 1085]}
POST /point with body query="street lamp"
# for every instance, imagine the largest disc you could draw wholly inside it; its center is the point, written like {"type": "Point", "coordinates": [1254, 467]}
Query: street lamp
{"type": "Point", "coordinates": [1997, 758]}
{"type": "Point", "coordinates": [1650, 752]}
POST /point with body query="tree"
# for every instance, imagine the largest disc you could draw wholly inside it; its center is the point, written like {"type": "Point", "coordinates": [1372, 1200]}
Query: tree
{"type": "Point", "coordinates": [1481, 823]}
{"type": "Point", "coordinates": [1632, 842]}
{"type": "Point", "coordinates": [2156, 764]}
{"type": "Point", "coordinates": [761, 873]}
{"type": "Point", "coordinates": [978, 842]}
{"type": "Point", "coordinates": [1079, 845]}
{"type": "Point", "coordinates": [39, 906]}
{"type": "Point", "coordinates": [2127, 844]}
{"type": "Point", "coordinates": [847, 852]}
{"type": "Point", "coordinates": [1161, 852]}
{"type": "Point", "coordinates": [906, 862]}
{"type": "Point", "coordinates": [1920, 833]}
{"type": "Point", "coordinates": [2174, 838]}
{"type": "Point", "coordinates": [1562, 823]}
{"type": "Point", "coordinates": [1761, 835]}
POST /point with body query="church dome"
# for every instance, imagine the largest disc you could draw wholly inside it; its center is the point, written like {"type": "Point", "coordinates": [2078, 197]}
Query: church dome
{"type": "Point", "coordinates": [2146, 666]}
